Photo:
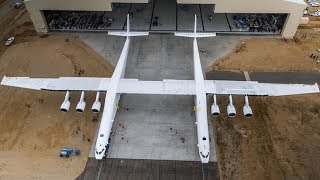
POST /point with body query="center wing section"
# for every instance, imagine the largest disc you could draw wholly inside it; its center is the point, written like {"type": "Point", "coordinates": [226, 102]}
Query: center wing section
{"type": "Point", "coordinates": [170, 87]}
{"type": "Point", "coordinates": [254, 88]}
{"type": "Point", "coordinates": [59, 84]}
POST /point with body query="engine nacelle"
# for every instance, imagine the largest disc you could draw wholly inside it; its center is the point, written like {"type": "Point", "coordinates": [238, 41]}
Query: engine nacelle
{"type": "Point", "coordinates": [96, 106]}
{"type": "Point", "coordinates": [215, 111]}
{"type": "Point", "coordinates": [247, 111]}
{"type": "Point", "coordinates": [81, 104]}
{"type": "Point", "coordinates": [65, 106]}
{"type": "Point", "coordinates": [231, 109]}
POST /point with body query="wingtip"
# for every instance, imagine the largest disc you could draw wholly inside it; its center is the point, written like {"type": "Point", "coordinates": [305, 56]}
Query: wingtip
{"type": "Point", "coordinates": [3, 79]}
{"type": "Point", "coordinates": [316, 87]}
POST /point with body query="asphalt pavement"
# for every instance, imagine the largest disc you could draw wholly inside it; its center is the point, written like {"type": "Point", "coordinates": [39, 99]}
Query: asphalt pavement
{"type": "Point", "coordinates": [7, 7]}
{"type": "Point", "coordinates": [133, 169]}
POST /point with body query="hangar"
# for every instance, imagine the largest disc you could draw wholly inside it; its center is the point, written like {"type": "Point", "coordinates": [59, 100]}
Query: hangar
{"type": "Point", "coordinates": [279, 17]}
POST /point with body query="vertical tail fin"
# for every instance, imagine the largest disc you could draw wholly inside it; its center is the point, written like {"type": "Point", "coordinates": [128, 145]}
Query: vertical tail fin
{"type": "Point", "coordinates": [194, 34]}
{"type": "Point", "coordinates": [127, 33]}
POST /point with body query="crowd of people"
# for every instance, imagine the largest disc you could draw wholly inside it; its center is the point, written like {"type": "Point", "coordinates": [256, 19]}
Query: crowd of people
{"type": "Point", "coordinates": [77, 20]}
{"type": "Point", "coordinates": [259, 22]}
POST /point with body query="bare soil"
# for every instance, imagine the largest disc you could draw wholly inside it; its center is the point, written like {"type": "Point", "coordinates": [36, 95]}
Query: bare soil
{"type": "Point", "coordinates": [2, 2]}
{"type": "Point", "coordinates": [274, 54]}
{"type": "Point", "coordinates": [281, 141]}
{"type": "Point", "coordinates": [32, 128]}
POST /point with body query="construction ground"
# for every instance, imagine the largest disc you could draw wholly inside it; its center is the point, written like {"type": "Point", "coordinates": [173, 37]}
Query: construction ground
{"type": "Point", "coordinates": [279, 142]}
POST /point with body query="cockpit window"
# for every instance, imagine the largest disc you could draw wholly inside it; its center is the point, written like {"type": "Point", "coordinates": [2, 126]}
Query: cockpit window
{"type": "Point", "coordinates": [204, 156]}
{"type": "Point", "coordinates": [204, 138]}
{"type": "Point", "coordinates": [100, 151]}
{"type": "Point", "coordinates": [101, 135]}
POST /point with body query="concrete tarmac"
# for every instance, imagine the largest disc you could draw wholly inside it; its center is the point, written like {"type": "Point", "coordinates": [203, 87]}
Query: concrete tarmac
{"type": "Point", "coordinates": [155, 124]}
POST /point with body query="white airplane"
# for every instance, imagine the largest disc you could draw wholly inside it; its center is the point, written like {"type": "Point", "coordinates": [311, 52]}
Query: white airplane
{"type": "Point", "coordinates": [199, 88]}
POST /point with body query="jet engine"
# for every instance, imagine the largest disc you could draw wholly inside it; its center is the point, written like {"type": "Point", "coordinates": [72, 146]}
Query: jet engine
{"type": "Point", "coordinates": [247, 111]}
{"type": "Point", "coordinates": [231, 109]}
{"type": "Point", "coordinates": [215, 111]}
{"type": "Point", "coordinates": [97, 104]}
{"type": "Point", "coordinates": [65, 106]}
{"type": "Point", "coordinates": [81, 104]}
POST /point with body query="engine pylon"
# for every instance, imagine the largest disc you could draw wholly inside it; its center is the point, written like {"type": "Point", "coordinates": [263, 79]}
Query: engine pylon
{"type": "Point", "coordinates": [96, 106]}
{"type": "Point", "coordinates": [65, 106]}
{"type": "Point", "coordinates": [215, 111]}
{"type": "Point", "coordinates": [81, 104]}
{"type": "Point", "coordinates": [230, 108]}
{"type": "Point", "coordinates": [247, 111]}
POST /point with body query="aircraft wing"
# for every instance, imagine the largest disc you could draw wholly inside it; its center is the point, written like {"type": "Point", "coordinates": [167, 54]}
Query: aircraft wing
{"type": "Point", "coordinates": [172, 87]}
{"type": "Point", "coordinates": [58, 84]}
{"type": "Point", "coordinates": [254, 88]}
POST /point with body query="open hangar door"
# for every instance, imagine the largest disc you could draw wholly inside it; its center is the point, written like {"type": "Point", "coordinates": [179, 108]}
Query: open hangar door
{"type": "Point", "coordinates": [257, 23]}
{"type": "Point", "coordinates": [165, 16]}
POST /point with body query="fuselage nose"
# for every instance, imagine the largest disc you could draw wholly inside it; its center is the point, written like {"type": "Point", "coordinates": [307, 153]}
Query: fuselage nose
{"type": "Point", "coordinates": [204, 156]}
{"type": "Point", "coordinates": [204, 160]}
{"type": "Point", "coordinates": [99, 155]}
{"type": "Point", "coordinates": [99, 152]}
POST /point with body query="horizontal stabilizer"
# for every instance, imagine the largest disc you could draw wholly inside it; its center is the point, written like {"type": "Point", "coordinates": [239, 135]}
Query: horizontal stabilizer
{"type": "Point", "coordinates": [127, 34]}
{"type": "Point", "coordinates": [195, 34]}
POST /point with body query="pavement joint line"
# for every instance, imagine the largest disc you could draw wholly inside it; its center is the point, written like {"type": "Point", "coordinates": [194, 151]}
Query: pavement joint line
{"type": "Point", "coordinates": [246, 75]}
{"type": "Point", "coordinates": [99, 172]}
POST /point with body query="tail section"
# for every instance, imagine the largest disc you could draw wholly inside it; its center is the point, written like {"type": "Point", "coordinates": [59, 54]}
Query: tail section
{"type": "Point", "coordinates": [120, 33]}
{"type": "Point", "coordinates": [128, 33]}
{"type": "Point", "coordinates": [194, 34]}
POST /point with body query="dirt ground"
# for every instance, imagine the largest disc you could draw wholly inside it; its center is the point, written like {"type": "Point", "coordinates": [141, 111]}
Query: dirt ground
{"type": "Point", "coordinates": [273, 54]}
{"type": "Point", "coordinates": [2, 2]}
{"type": "Point", "coordinates": [32, 128]}
{"type": "Point", "coordinates": [281, 140]}
{"type": "Point", "coordinates": [276, 54]}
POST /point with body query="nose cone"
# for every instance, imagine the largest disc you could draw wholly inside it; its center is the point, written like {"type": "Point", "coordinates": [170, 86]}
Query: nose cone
{"type": "Point", "coordinates": [99, 156]}
{"type": "Point", "coordinates": [204, 160]}
{"type": "Point", "coordinates": [99, 152]}
{"type": "Point", "coordinates": [204, 157]}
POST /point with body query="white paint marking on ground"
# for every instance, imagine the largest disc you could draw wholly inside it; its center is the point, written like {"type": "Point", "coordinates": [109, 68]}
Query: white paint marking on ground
{"type": "Point", "coordinates": [246, 75]}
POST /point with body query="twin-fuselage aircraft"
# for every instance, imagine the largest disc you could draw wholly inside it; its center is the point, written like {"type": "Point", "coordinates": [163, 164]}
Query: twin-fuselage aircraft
{"type": "Point", "coordinates": [198, 87]}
